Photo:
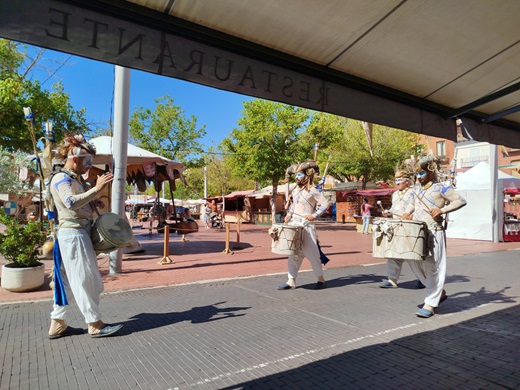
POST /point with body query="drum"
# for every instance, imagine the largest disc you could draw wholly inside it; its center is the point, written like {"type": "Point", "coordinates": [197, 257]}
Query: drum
{"type": "Point", "coordinates": [399, 239]}
{"type": "Point", "coordinates": [286, 239]}
{"type": "Point", "coordinates": [110, 232]}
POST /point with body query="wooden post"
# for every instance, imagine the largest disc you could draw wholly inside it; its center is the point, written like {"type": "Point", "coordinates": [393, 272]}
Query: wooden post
{"type": "Point", "coordinates": [237, 245]}
{"type": "Point", "coordinates": [227, 250]}
{"type": "Point", "coordinates": [166, 259]}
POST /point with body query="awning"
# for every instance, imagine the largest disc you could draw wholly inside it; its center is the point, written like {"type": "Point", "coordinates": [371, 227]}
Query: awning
{"type": "Point", "coordinates": [268, 191]}
{"type": "Point", "coordinates": [142, 165]}
{"type": "Point", "coordinates": [411, 65]}
{"type": "Point", "coordinates": [382, 192]}
{"type": "Point", "coordinates": [238, 194]}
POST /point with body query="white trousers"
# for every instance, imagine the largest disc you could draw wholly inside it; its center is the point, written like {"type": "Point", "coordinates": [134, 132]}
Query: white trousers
{"type": "Point", "coordinates": [82, 274]}
{"type": "Point", "coordinates": [393, 268]}
{"type": "Point", "coordinates": [310, 251]}
{"type": "Point", "coordinates": [432, 270]}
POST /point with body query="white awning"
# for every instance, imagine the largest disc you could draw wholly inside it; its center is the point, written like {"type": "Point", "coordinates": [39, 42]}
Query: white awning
{"type": "Point", "coordinates": [413, 65]}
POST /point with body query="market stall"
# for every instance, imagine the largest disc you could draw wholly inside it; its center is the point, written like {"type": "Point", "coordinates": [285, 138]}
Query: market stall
{"type": "Point", "coordinates": [143, 168]}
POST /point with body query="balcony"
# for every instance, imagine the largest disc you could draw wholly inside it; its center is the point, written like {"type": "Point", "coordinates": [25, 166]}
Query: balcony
{"type": "Point", "coordinates": [469, 162]}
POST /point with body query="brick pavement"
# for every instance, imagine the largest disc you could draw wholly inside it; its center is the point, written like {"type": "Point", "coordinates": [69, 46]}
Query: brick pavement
{"type": "Point", "coordinates": [241, 333]}
{"type": "Point", "coordinates": [202, 257]}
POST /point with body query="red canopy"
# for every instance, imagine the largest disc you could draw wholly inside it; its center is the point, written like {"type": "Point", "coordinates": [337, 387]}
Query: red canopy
{"type": "Point", "coordinates": [382, 192]}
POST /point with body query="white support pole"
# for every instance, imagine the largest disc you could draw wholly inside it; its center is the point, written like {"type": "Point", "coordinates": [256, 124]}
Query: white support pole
{"type": "Point", "coordinates": [120, 149]}
{"type": "Point", "coordinates": [497, 211]}
{"type": "Point", "coordinates": [205, 181]}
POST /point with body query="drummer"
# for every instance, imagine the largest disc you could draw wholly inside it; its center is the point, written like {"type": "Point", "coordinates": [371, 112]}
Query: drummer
{"type": "Point", "coordinates": [72, 200]}
{"type": "Point", "coordinates": [431, 200]}
{"type": "Point", "coordinates": [400, 200]}
{"type": "Point", "coordinates": [307, 204]}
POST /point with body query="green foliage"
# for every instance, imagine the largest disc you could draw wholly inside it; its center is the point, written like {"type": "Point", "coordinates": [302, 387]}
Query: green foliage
{"type": "Point", "coordinates": [351, 158]}
{"type": "Point", "coordinates": [323, 129]}
{"type": "Point", "coordinates": [195, 188]}
{"type": "Point", "coordinates": [19, 243]}
{"type": "Point", "coordinates": [10, 165]}
{"type": "Point", "coordinates": [166, 131]}
{"type": "Point", "coordinates": [219, 178]}
{"type": "Point", "coordinates": [19, 89]}
{"type": "Point", "coordinates": [266, 142]}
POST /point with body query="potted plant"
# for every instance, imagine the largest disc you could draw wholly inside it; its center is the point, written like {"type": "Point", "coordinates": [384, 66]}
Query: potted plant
{"type": "Point", "coordinates": [20, 245]}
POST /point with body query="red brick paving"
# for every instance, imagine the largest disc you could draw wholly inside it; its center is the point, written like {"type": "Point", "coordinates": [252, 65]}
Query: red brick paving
{"type": "Point", "coordinates": [202, 257]}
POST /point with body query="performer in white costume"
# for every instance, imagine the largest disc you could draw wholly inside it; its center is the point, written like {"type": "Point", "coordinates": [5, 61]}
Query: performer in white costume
{"type": "Point", "coordinates": [400, 200]}
{"type": "Point", "coordinates": [307, 204]}
{"type": "Point", "coordinates": [432, 199]}
{"type": "Point", "coordinates": [75, 214]}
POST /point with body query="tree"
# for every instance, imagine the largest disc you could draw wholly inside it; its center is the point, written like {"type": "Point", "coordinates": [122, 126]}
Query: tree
{"type": "Point", "coordinates": [10, 165]}
{"type": "Point", "coordinates": [266, 142]}
{"type": "Point", "coordinates": [325, 131]}
{"type": "Point", "coordinates": [19, 89]}
{"type": "Point", "coordinates": [166, 131]}
{"type": "Point", "coordinates": [352, 157]}
{"type": "Point", "coordinates": [219, 178]}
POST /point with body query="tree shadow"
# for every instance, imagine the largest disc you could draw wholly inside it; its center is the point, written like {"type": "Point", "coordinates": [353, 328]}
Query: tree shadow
{"type": "Point", "coordinates": [467, 300]}
{"type": "Point", "coordinates": [196, 315]}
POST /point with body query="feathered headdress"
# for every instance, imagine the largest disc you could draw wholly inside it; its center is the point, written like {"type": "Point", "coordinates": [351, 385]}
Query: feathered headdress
{"type": "Point", "coordinates": [73, 143]}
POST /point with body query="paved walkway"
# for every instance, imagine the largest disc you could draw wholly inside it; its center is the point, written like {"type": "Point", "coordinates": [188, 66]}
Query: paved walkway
{"type": "Point", "coordinates": [185, 332]}
{"type": "Point", "coordinates": [202, 257]}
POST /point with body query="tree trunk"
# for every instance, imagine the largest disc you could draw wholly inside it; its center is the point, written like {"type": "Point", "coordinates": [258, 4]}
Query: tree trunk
{"type": "Point", "coordinates": [273, 201]}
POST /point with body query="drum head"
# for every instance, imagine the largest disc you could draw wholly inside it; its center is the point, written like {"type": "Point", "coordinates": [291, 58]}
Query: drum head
{"type": "Point", "coordinates": [114, 229]}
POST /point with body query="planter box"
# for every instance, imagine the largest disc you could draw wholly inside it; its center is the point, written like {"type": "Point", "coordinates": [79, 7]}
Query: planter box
{"type": "Point", "coordinates": [22, 279]}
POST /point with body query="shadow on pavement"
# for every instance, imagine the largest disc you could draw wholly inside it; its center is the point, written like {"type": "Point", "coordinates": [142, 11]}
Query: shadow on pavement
{"type": "Point", "coordinates": [467, 300]}
{"type": "Point", "coordinates": [479, 353]}
{"type": "Point", "coordinates": [196, 315]}
{"type": "Point", "coordinates": [348, 280]}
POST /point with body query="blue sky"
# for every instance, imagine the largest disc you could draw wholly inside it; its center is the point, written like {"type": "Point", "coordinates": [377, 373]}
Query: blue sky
{"type": "Point", "coordinates": [90, 84]}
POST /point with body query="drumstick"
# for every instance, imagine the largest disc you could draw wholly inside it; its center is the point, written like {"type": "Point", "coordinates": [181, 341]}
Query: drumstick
{"type": "Point", "coordinates": [387, 211]}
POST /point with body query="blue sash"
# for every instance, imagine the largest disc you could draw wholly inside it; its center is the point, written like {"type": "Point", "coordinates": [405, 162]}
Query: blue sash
{"type": "Point", "coordinates": [60, 297]}
{"type": "Point", "coordinates": [323, 258]}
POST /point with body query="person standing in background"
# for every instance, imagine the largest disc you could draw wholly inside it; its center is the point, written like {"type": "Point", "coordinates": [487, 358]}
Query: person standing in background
{"type": "Point", "coordinates": [205, 215]}
{"type": "Point", "coordinates": [365, 215]}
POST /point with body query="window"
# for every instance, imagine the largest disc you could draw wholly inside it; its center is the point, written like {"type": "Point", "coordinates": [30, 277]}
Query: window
{"type": "Point", "coordinates": [441, 149]}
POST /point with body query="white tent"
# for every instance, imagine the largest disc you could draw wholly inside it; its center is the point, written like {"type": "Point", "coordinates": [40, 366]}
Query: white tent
{"type": "Point", "coordinates": [268, 191]}
{"type": "Point", "coordinates": [474, 221]}
{"type": "Point", "coordinates": [134, 201]}
{"type": "Point", "coordinates": [142, 166]}
{"type": "Point", "coordinates": [137, 161]}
